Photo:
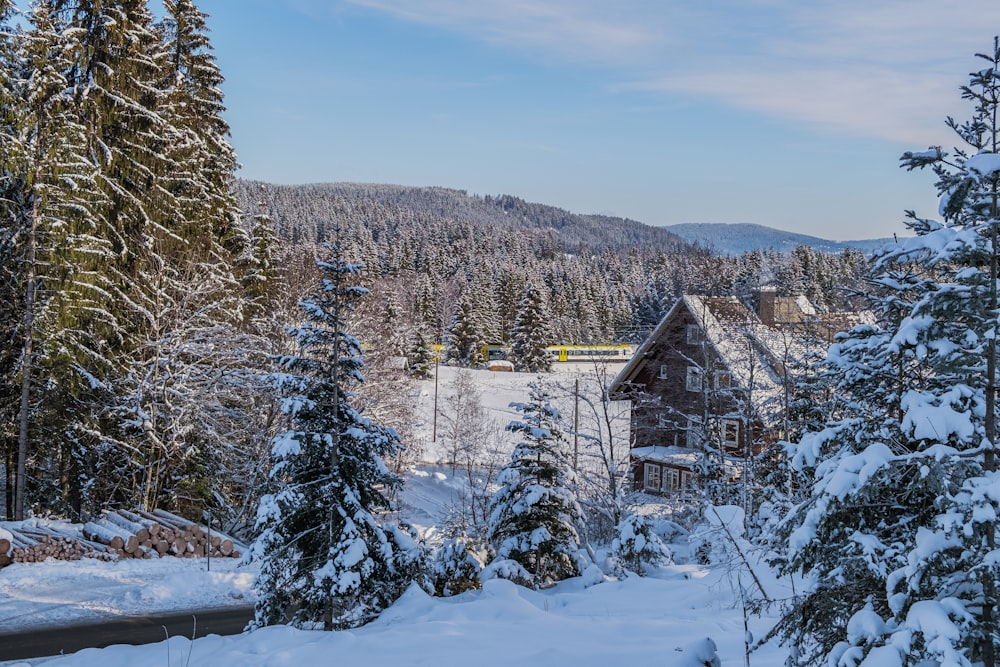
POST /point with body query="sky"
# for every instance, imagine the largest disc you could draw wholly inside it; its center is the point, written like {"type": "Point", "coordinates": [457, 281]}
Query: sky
{"type": "Point", "coordinates": [777, 112]}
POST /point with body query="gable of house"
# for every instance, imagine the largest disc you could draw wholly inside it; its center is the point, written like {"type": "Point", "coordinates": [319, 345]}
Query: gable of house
{"type": "Point", "coordinates": [710, 359]}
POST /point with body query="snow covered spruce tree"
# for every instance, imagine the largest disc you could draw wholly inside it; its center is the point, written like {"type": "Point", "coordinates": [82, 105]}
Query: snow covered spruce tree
{"type": "Point", "coordinates": [465, 337]}
{"type": "Point", "coordinates": [900, 535]}
{"type": "Point", "coordinates": [531, 334]}
{"type": "Point", "coordinates": [534, 515]}
{"type": "Point", "coordinates": [325, 556]}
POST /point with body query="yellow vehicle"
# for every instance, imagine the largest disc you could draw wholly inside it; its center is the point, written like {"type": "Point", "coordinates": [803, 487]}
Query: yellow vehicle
{"type": "Point", "coordinates": [567, 353]}
{"type": "Point", "coordinates": [590, 353]}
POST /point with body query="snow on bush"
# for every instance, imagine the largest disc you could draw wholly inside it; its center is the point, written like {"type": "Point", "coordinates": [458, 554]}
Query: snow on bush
{"type": "Point", "coordinates": [455, 568]}
{"type": "Point", "coordinates": [637, 545]}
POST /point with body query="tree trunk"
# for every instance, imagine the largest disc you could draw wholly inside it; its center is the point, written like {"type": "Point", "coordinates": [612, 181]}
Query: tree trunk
{"type": "Point", "coordinates": [26, 352]}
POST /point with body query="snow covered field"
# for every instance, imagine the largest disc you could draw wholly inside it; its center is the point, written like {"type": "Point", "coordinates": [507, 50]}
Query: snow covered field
{"type": "Point", "coordinates": [658, 620]}
{"type": "Point", "coordinates": [662, 619]}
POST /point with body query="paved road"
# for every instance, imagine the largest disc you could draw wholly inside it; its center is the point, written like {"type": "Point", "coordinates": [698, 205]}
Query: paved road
{"type": "Point", "coordinates": [136, 630]}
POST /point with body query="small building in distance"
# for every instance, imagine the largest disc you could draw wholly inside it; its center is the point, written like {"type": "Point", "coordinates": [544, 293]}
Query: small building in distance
{"type": "Point", "coordinates": [708, 386]}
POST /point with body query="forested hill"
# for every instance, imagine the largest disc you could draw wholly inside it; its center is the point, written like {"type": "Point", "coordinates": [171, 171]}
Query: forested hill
{"type": "Point", "coordinates": [734, 239]}
{"type": "Point", "coordinates": [299, 209]}
{"type": "Point", "coordinates": [435, 255]}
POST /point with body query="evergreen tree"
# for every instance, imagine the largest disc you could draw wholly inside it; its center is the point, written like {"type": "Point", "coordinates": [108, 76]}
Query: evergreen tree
{"type": "Point", "coordinates": [263, 282]}
{"type": "Point", "coordinates": [421, 356]}
{"type": "Point", "coordinates": [59, 248]}
{"type": "Point", "coordinates": [530, 334]}
{"type": "Point", "coordinates": [203, 160]}
{"type": "Point", "coordinates": [901, 526]}
{"type": "Point", "coordinates": [465, 337]}
{"type": "Point", "coordinates": [325, 557]}
{"type": "Point", "coordinates": [534, 515]}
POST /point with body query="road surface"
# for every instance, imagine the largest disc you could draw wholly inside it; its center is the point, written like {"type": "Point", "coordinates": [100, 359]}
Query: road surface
{"type": "Point", "coordinates": [37, 643]}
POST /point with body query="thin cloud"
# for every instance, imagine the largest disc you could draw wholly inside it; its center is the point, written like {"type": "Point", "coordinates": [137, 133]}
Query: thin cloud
{"type": "Point", "coordinates": [595, 33]}
{"type": "Point", "coordinates": [887, 70]}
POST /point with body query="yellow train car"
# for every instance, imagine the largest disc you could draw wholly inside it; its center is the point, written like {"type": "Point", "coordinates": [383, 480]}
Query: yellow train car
{"type": "Point", "coordinates": [590, 353]}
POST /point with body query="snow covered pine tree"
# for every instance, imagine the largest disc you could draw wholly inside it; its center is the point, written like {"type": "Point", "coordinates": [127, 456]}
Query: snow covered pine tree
{"type": "Point", "coordinates": [325, 557]}
{"type": "Point", "coordinates": [534, 514]}
{"type": "Point", "coordinates": [530, 334]}
{"type": "Point", "coordinates": [899, 536]}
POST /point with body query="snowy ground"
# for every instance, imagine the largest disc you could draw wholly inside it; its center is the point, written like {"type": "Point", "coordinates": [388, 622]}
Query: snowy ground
{"type": "Point", "coordinates": [650, 621]}
{"type": "Point", "coordinates": [663, 619]}
{"type": "Point", "coordinates": [498, 390]}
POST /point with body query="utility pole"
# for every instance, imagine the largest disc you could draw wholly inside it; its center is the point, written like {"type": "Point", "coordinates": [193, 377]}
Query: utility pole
{"type": "Point", "coordinates": [576, 423]}
{"type": "Point", "coordinates": [437, 360]}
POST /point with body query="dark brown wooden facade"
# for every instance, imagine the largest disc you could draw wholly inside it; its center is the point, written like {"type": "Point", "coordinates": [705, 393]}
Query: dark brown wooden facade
{"type": "Point", "coordinates": [687, 399]}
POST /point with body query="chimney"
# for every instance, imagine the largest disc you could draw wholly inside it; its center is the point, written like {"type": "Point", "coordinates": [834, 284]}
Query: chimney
{"type": "Point", "coordinates": [768, 301]}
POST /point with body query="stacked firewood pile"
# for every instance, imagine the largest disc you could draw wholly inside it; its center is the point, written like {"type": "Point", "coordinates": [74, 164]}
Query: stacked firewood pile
{"type": "Point", "coordinates": [34, 544]}
{"type": "Point", "coordinates": [158, 533]}
{"type": "Point", "coordinates": [116, 534]}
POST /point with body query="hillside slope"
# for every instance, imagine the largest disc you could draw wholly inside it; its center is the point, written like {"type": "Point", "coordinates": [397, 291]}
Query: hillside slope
{"type": "Point", "coordinates": [734, 239]}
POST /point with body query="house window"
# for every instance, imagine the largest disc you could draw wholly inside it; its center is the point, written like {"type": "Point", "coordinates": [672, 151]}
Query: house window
{"type": "Point", "coordinates": [651, 475]}
{"type": "Point", "coordinates": [662, 421]}
{"type": "Point", "coordinates": [686, 480]}
{"type": "Point", "coordinates": [692, 436]}
{"type": "Point", "coordinates": [693, 378]}
{"type": "Point", "coordinates": [663, 371]}
{"type": "Point", "coordinates": [723, 379]}
{"type": "Point", "coordinates": [731, 432]}
{"type": "Point", "coordinates": [693, 334]}
{"type": "Point", "coordinates": [671, 479]}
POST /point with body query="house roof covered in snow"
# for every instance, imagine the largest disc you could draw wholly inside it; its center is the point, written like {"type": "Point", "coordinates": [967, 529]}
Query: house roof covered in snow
{"type": "Point", "coordinates": [757, 355]}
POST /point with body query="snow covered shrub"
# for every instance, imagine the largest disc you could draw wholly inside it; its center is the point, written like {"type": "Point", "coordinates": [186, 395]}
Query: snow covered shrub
{"type": "Point", "coordinates": [509, 570]}
{"type": "Point", "coordinates": [411, 561]}
{"type": "Point", "coordinates": [455, 568]}
{"type": "Point", "coordinates": [712, 541]}
{"type": "Point", "coordinates": [701, 653]}
{"type": "Point", "coordinates": [638, 546]}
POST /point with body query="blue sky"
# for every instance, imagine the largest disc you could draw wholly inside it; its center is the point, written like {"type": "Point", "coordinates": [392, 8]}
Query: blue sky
{"type": "Point", "coordinates": [786, 113]}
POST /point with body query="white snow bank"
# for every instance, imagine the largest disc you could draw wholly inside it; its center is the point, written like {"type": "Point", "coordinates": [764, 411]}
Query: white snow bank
{"type": "Point", "coordinates": [56, 592]}
{"type": "Point", "coordinates": [635, 621]}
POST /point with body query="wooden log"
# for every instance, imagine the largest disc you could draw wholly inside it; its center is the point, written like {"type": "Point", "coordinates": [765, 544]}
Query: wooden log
{"type": "Point", "coordinates": [4, 547]}
{"type": "Point", "coordinates": [104, 534]}
{"type": "Point", "coordinates": [131, 544]}
{"type": "Point", "coordinates": [123, 522]}
{"type": "Point", "coordinates": [172, 519]}
{"type": "Point", "coordinates": [178, 546]}
{"type": "Point", "coordinates": [150, 525]}
{"type": "Point", "coordinates": [163, 523]}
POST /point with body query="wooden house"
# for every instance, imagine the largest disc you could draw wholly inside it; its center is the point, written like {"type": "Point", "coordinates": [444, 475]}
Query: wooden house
{"type": "Point", "coordinates": [709, 382]}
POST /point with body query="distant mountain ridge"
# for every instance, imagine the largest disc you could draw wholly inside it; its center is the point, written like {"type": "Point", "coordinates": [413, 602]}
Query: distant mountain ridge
{"type": "Point", "coordinates": [734, 239]}
{"type": "Point", "coordinates": [300, 207]}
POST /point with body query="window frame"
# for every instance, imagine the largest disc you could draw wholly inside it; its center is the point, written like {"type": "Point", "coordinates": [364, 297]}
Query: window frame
{"type": "Point", "coordinates": [650, 471]}
{"type": "Point", "coordinates": [724, 426]}
{"type": "Point", "coordinates": [694, 379]}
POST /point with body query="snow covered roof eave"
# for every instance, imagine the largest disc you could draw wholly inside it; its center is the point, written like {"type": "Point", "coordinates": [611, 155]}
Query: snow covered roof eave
{"type": "Point", "coordinates": [617, 390]}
